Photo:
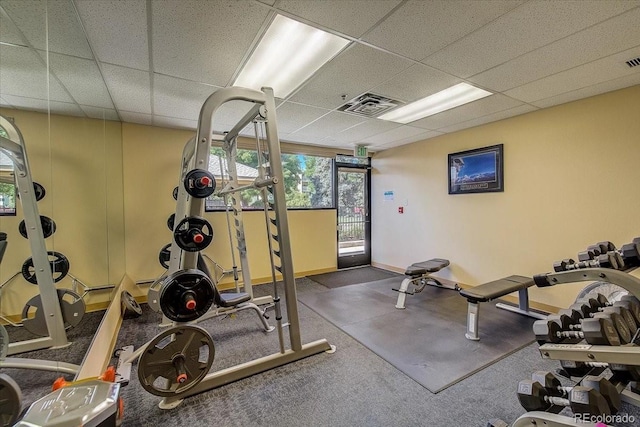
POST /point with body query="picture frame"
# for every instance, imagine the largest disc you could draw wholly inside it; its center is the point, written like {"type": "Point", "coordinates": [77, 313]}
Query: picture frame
{"type": "Point", "coordinates": [480, 170]}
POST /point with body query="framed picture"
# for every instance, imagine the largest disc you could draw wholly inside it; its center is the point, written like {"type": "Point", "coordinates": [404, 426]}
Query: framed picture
{"type": "Point", "coordinates": [476, 171]}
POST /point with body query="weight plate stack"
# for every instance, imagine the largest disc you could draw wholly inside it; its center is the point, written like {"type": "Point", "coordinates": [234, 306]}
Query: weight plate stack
{"type": "Point", "coordinates": [186, 295]}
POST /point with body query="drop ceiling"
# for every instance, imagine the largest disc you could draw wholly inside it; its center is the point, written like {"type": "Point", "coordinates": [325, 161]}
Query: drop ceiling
{"type": "Point", "coordinates": [154, 62]}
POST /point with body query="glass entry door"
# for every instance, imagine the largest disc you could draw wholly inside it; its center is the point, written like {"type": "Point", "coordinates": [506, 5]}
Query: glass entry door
{"type": "Point", "coordinates": [354, 222]}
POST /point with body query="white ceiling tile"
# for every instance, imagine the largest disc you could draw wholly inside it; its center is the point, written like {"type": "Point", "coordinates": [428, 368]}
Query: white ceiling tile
{"type": "Point", "coordinates": [595, 72]}
{"type": "Point", "coordinates": [100, 113]}
{"type": "Point", "coordinates": [111, 25]}
{"type": "Point", "coordinates": [82, 79]}
{"type": "Point", "coordinates": [302, 139]}
{"type": "Point", "coordinates": [364, 130]}
{"type": "Point", "coordinates": [351, 17]}
{"type": "Point", "coordinates": [41, 105]}
{"type": "Point", "coordinates": [269, 2]}
{"type": "Point", "coordinates": [396, 134]}
{"type": "Point", "coordinates": [416, 82]}
{"type": "Point", "coordinates": [607, 38]}
{"type": "Point", "coordinates": [131, 117]}
{"type": "Point", "coordinates": [8, 31]}
{"type": "Point", "coordinates": [292, 116]}
{"type": "Point", "coordinates": [420, 28]}
{"type": "Point", "coordinates": [500, 115]}
{"type": "Point", "coordinates": [5, 103]}
{"type": "Point", "coordinates": [352, 73]}
{"type": "Point", "coordinates": [174, 123]}
{"type": "Point", "coordinates": [530, 26]}
{"type": "Point", "coordinates": [22, 73]}
{"type": "Point", "coordinates": [404, 141]}
{"type": "Point", "coordinates": [204, 41]}
{"type": "Point", "coordinates": [329, 125]}
{"type": "Point", "coordinates": [179, 98]}
{"type": "Point", "coordinates": [608, 86]}
{"type": "Point", "coordinates": [130, 89]}
{"type": "Point", "coordinates": [482, 107]}
{"type": "Point", "coordinates": [65, 32]}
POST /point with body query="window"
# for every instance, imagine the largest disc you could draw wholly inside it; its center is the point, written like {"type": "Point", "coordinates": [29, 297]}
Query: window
{"type": "Point", "coordinates": [307, 179]}
{"type": "Point", "coordinates": [7, 186]}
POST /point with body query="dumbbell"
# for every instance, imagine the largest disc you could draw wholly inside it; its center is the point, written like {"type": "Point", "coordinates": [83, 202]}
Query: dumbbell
{"type": "Point", "coordinates": [620, 316]}
{"type": "Point", "coordinates": [596, 331]}
{"type": "Point", "coordinates": [533, 396]}
{"type": "Point", "coordinates": [607, 260]}
{"type": "Point", "coordinates": [629, 253]}
{"type": "Point", "coordinates": [623, 373]}
{"type": "Point", "coordinates": [552, 384]}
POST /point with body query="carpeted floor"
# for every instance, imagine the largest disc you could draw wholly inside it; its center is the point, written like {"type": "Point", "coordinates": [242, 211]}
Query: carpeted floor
{"type": "Point", "coordinates": [352, 276]}
{"type": "Point", "coordinates": [352, 387]}
{"type": "Point", "coordinates": [406, 338]}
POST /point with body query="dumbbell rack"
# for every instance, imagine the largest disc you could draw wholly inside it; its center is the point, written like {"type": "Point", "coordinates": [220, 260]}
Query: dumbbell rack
{"type": "Point", "coordinates": [14, 148]}
{"type": "Point", "coordinates": [624, 355]}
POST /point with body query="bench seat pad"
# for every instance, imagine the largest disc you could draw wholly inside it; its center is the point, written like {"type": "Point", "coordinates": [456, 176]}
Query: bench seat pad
{"type": "Point", "coordinates": [497, 288]}
{"type": "Point", "coordinates": [425, 267]}
{"type": "Point", "coordinates": [231, 299]}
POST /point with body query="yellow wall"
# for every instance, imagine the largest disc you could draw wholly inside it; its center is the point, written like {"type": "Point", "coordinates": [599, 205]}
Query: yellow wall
{"type": "Point", "coordinates": [570, 181]}
{"type": "Point", "coordinates": [151, 166]}
{"type": "Point", "coordinates": [79, 162]}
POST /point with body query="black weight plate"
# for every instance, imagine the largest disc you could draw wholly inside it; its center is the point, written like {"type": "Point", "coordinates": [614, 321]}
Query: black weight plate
{"type": "Point", "coordinates": [59, 268]}
{"type": "Point", "coordinates": [200, 183]}
{"type": "Point", "coordinates": [171, 221]}
{"type": "Point", "coordinates": [48, 227]}
{"type": "Point", "coordinates": [130, 304]}
{"type": "Point", "coordinates": [165, 255]}
{"type": "Point", "coordinates": [39, 191]}
{"type": "Point", "coordinates": [159, 369]}
{"type": "Point", "coordinates": [175, 193]}
{"type": "Point", "coordinates": [10, 401]}
{"type": "Point", "coordinates": [193, 234]}
{"type": "Point", "coordinates": [72, 307]}
{"type": "Point", "coordinates": [186, 295]}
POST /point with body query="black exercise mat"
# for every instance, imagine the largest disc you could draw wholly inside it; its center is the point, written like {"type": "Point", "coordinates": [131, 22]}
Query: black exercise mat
{"type": "Point", "coordinates": [353, 276]}
{"type": "Point", "coordinates": [426, 340]}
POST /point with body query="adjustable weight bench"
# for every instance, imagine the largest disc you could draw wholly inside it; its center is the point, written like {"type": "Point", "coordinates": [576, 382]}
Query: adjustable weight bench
{"type": "Point", "coordinates": [496, 289]}
{"type": "Point", "coordinates": [420, 276]}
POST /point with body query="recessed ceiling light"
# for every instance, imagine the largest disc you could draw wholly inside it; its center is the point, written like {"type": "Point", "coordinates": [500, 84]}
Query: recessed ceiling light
{"type": "Point", "coordinates": [288, 54]}
{"type": "Point", "coordinates": [452, 97]}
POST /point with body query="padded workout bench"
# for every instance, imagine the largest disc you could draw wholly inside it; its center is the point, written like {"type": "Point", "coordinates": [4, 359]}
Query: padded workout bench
{"type": "Point", "coordinates": [496, 289]}
{"type": "Point", "coordinates": [419, 275]}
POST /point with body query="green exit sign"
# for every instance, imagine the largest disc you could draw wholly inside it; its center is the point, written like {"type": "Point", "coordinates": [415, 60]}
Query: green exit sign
{"type": "Point", "coordinates": [361, 151]}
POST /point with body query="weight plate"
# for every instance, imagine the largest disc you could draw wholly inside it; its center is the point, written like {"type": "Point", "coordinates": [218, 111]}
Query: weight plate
{"type": "Point", "coordinates": [171, 221]}
{"type": "Point", "coordinates": [4, 342]}
{"type": "Point", "coordinates": [193, 234]}
{"type": "Point", "coordinates": [72, 307]}
{"type": "Point", "coordinates": [175, 193]}
{"type": "Point", "coordinates": [59, 268]}
{"type": "Point", "coordinates": [186, 295]}
{"type": "Point", "coordinates": [176, 360]}
{"type": "Point", "coordinates": [48, 227]}
{"type": "Point", "coordinates": [199, 183]}
{"type": "Point", "coordinates": [39, 191]}
{"type": "Point", "coordinates": [10, 401]}
{"type": "Point", "coordinates": [130, 305]}
{"type": "Point", "coordinates": [612, 292]}
{"type": "Point", "coordinates": [165, 255]}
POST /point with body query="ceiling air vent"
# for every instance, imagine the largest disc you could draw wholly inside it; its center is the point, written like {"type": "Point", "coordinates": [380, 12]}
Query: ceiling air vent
{"type": "Point", "coordinates": [369, 105]}
{"type": "Point", "coordinates": [633, 62]}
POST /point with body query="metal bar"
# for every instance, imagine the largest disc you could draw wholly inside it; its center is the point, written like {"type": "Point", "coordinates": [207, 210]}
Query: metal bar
{"type": "Point", "coordinates": [473, 314]}
{"type": "Point", "coordinates": [523, 299]}
{"type": "Point", "coordinates": [518, 310]}
{"type": "Point", "coordinates": [592, 353]}
{"type": "Point", "coordinates": [39, 365]}
{"type": "Point", "coordinates": [547, 419]}
{"type": "Point", "coordinates": [175, 261]}
{"type": "Point", "coordinates": [253, 367]}
{"type": "Point", "coordinates": [244, 121]}
{"type": "Point", "coordinates": [620, 278]}
{"type": "Point", "coordinates": [256, 184]}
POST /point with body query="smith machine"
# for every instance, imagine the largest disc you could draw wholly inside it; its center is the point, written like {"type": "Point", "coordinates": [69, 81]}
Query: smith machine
{"type": "Point", "coordinates": [176, 363]}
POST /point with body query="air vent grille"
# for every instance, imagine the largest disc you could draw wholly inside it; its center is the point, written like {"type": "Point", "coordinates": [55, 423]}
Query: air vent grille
{"type": "Point", "coordinates": [369, 105]}
{"type": "Point", "coordinates": [633, 62]}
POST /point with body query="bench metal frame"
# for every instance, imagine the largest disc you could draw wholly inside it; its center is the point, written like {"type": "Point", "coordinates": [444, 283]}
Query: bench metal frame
{"type": "Point", "coordinates": [420, 282]}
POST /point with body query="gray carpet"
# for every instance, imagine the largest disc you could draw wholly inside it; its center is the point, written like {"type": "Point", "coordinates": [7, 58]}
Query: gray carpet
{"type": "Point", "coordinates": [352, 387]}
{"type": "Point", "coordinates": [426, 340]}
{"type": "Point", "coordinates": [352, 276]}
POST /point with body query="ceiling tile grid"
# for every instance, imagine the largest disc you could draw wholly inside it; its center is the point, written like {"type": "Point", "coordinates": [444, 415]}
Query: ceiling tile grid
{"type": "Point", "coordinates": [530, 26]}
{"type": "Point", "coordinates": [351, 17]}
{"type": "Point", "coordinates": [41, 105]}
{"type": "Point", "coordinates": [292, 116]}
{"type": "Point", "coordinates": [400, 133]}
{"type": "Point", "coordinates": [329, 125]}
{"type": "Point", "coordinates": [131, 89]}
{"type": "Point", "coordinates": [140, 118]}
{"type": "Point", "coordinates": [500, 115]}
{"type": "Point", "coordinates": [100, 113]}
{"type": "Point", "coordinates": [414, 138]}
{"type": "Point", "coordinates": [111, 25]}
{"type": "Point", "coordinates": [179, 98]}
{"type": "Point", "coordinates": [201, 41]}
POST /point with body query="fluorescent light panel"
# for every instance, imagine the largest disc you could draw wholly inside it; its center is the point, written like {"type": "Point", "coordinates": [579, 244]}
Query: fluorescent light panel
{"type": "Point", "coordinates": [288, 54]}
{"type": "Point", "coordinates": [452, 97]}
